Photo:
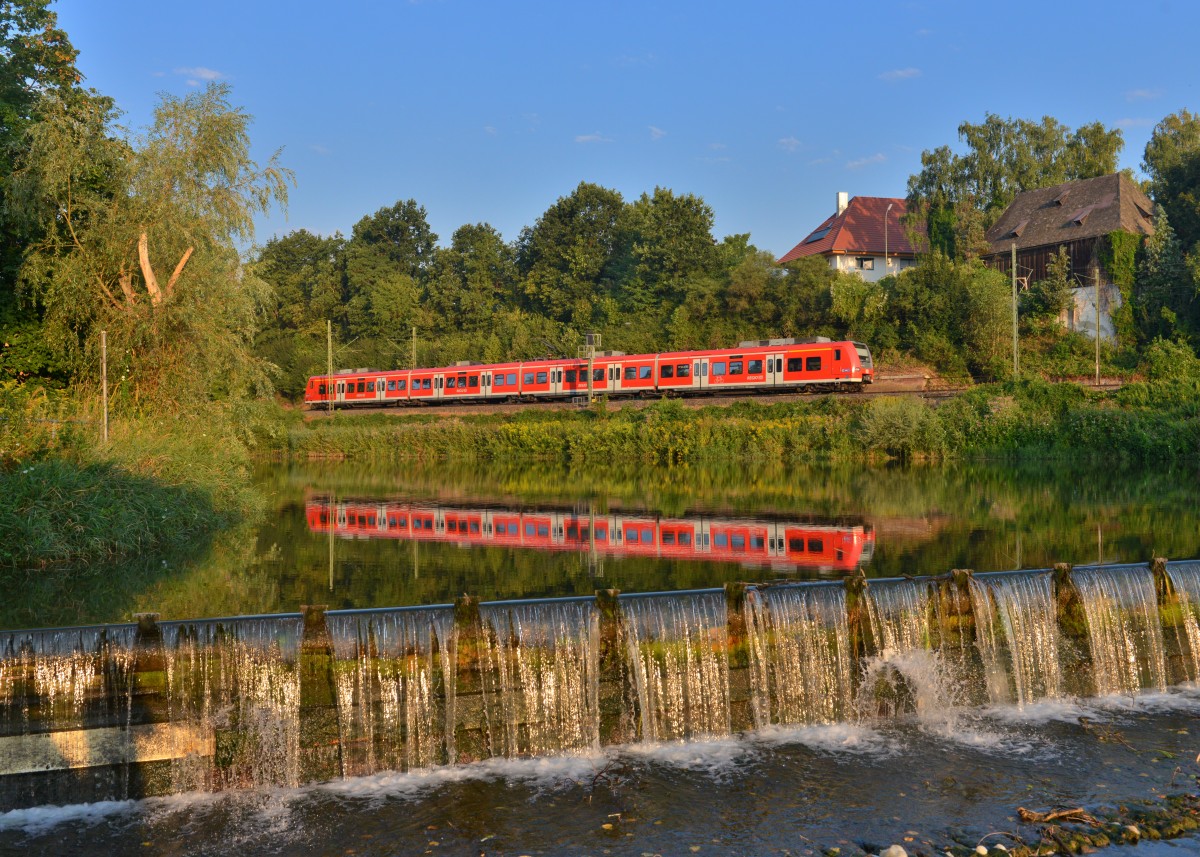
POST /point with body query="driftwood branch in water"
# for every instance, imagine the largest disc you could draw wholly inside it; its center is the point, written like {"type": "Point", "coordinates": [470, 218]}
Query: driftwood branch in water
{"type": "Point", "coordinates": [1079, 816]}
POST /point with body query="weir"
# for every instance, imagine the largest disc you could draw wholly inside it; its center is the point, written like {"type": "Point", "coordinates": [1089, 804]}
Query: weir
{"type": "Point", "coordinates": [146, 708]}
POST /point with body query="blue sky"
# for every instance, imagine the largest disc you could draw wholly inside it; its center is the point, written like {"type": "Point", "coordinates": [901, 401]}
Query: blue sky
{"type": "Point", "coordinates": [489, 111]}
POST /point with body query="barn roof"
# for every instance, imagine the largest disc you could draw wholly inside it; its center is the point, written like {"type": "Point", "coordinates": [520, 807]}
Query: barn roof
{"type": "Point", "coordinates": [857, 231]}
{"type": "Point", "coordinates": [1072, 211]}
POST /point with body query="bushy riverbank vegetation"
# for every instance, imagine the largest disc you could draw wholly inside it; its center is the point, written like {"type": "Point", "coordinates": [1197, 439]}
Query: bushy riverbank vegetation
{"type": "Point", "coordinates": [1148, 422]}
{"type": "Point", "coordinates": [159, 485]}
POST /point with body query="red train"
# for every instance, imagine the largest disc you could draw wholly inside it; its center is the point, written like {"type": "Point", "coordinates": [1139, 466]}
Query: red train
{"type": "Point", "coordinates": [753, 367]}
{"type": "Point", "coordinates": [782, 546]}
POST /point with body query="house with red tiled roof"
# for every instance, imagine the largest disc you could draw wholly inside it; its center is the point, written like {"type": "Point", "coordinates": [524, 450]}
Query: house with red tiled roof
{"type": "Point", "coordinates": [864, 236]}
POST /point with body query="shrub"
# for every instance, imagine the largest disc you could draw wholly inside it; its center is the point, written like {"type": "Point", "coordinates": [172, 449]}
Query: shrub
{"type": "Point", "coordinates": [902, 428]}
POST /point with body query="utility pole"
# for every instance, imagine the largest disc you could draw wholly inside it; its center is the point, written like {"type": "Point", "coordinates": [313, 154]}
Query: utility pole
{"type": "Point", "coordinates": [104, 378]}
{"type": "Point", "coordinates": [414, 349]}
{"type": "Point", "coordinates": [1016, 363]}
{"type": "Point", "coordinates": [1096, 279]}
{"type": "Point", "coordinates": [329, 391]}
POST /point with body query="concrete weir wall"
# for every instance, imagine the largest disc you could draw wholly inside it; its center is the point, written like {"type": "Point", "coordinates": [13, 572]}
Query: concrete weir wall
{"type": "Point", "coordinates": [153, 708]}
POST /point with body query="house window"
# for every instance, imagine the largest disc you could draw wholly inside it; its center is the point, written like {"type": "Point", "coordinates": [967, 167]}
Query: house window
{"type": "Point", "coordinates": [866, 263]}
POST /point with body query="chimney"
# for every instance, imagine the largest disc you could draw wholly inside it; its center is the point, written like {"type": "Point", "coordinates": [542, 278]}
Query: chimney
{"type": "Point", "coordinates": [843, 201]}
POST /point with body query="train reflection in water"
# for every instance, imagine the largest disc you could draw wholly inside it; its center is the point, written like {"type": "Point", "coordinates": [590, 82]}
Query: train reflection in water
{"type": "Point", "coordinates": [783, 546]}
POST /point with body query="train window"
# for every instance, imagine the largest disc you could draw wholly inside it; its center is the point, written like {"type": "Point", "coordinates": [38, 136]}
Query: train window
{"type": "Point", "coordinates": [796, 545]}
{"type": "Point", "coordinates": [401, 384]}
{"type": "Point", "coordinates": [341, 387]}
{"type": "Point", "coordinates": [601, 533]}
{"type": "Point", "coordinates": [630, 373]}
{"type": "Point", "coordinates": [530, 529]}
{"type": "Point", "coordinates": [666, 371]}
{"type": "Point", "coordinates": [543, 530]}
{"type": "Point", "coordinates": [499, 382]}
{"type": "Point", "coordinates": [720, 540]}
{"type": "Point", "coordinates": [647, 536]}
{"type": "Point", "coordinates": [795, 364]}
{"type": "Point", "coordinates": [512, 378]}
{"type": "Point", "coordinates": [645, 372]}
{"type": "Point", "coordinates": [541, 377]}
{"type": "Point", "coordinates": [756, 543]}
{"type": "Point", "coordinates": [426, 383]}
{"type": "Point", "coordinates": [320, 389]}
{"type": "Point", "coordinates": [816, 546]}
{"type": "Point", "coordinates": [597, 374]}
{"type": "Point", "coordinates": [450, 383]}
{"type": "Point", "coordinates": [837, 354]}
{"type": "Point", "coordinates": [631, 537]}
{"type": "Point", "coordinates": [735, 367]}
{"type": "Point", "coordinates": [370, 386]}
{"type": "Point", "coordinates": [370, 520]}
{"type": "Point", "coordinates": [360, 386]}
{"type": "Point", "coordinates": [452, 526]}
{"type": "Point", "coordinates": [474, 380]}
{"type": "Point", "coordinates": [754, 367]}
{"type": "Point", "coordinates": [840, 554]}
{"type": "Point", "coordinates": [527, 378]}
{"type": "Point", "coordinates": [570, 376]}
{"type": "Point", "coordinates": [683, 370]}
{"type": "Point", "coordinates": [718, 368]}
{"type": "Point", "coordinates": [462, 381]}
{"type": "Point", "coordinates": [812, 364]}
{"type": "Point", "coordinates": [474, 526]}
{"type": "Point", "coordinates": [572, 531]}
{"type": "Point", "coordinates": [738, 543]}
{"type": "Point", "coordinates": [685, 539]}
{"type": "Point", "coordinates": [402, 523]}
{"type": "Point", "coordinates": [391, 386]}
{"type": "Point", "coordinates": [778, 364]}
{"type": "Point", "coordinates": [585, 533]}
{"type": "Point", "coordinates": [668, 538]}
{"type": "Point", "coordinates": [703, 370]}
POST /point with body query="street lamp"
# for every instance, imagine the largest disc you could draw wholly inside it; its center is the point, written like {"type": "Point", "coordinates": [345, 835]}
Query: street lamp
{"type": "Point", "coordinates": [886, 268]}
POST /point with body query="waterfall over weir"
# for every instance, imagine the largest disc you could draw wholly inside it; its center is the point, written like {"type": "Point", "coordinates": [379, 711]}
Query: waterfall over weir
{"type": "Point", "coordinates": [153, 708]}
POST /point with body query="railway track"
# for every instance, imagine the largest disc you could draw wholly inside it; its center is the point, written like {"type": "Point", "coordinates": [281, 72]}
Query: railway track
{"type": "Point", "coordinates": [908, 385]}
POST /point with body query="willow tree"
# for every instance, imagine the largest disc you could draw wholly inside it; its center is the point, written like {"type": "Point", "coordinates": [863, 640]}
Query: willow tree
{"type": "Point", "coordinates": [140, 236]}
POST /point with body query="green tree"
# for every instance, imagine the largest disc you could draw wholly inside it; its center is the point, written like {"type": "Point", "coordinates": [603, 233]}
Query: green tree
{"type": "Point", "coordinates": [401, 233]}
{"type": "Point", "coordinates": [1172, 161]}
{"type": "Point", "coordinates": [472, 279]}
{"type": "Point", "coordinates": [1047, 299]}
{"type": "Point", "coordinates": [1164, 292]}
{"type": "Point", "coordinates": [957, 197]}
{"type": "Point", "coordinates": [36, 58]}
{"type": "Point", "coordinates": [568, 259]}
{"type": "Point", "coordinates": [138, 237]}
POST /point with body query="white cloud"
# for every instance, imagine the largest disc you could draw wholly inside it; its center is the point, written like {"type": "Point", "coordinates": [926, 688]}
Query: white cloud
{"type": "Point", "coordinates": [1143, 94]}
{"type": "Point", "coordinates": [199, 73]}
{"type": "Point", "coordinates": [924, 31]}
{"type": "Point", "coordinates": [1134, 123]}
{"type": "Point", "coordinates": [789, 144]}
{"type": "Point", "coordinates": [319, 149]}
{"type": "Point", "coordinates": [900, 74]}
{"type": "Point", "coordinates": [490, 130]}
{"type": "Point", "coordinates": [629, 61]}
{"type": "Point", "coordinates": [717, 146]}
{"type": "Point", "coordinates": [593, 138]}
{"type": "Point", "coordinates": [657, 133]}
{"type": "Point", "coordinates": [877, 158]}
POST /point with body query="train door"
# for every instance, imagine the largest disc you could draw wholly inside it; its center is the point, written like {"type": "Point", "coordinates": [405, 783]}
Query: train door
{"type": "Point", "coordinates": [439, 382]}
{"type": "Point", "coordinates": [774, 369]}
{"type": "Point", "coordinates": [700, 373]}
{"type": "Point", "coordinates": [556, 381]}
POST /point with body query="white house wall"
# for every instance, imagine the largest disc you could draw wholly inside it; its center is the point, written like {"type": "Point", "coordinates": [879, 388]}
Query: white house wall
{"type": "Point", "coordinates": [1081, 317]}
{"type": "Point", "coordinates": [849, 265]}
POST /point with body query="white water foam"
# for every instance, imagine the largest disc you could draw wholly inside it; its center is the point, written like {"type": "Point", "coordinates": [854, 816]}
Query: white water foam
{"type": "Point", "coordinates": [831, 739]}
{"type": "Point", "coordinates": [714, 756]}
{"type": "Point", "coordinates": [39, 819]}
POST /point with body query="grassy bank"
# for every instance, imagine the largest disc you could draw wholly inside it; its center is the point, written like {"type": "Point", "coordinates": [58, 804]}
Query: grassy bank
{"type": "Point", "coordinates": [160, 485]}
{"type": "Point", "coordinates": [1143, 422]}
